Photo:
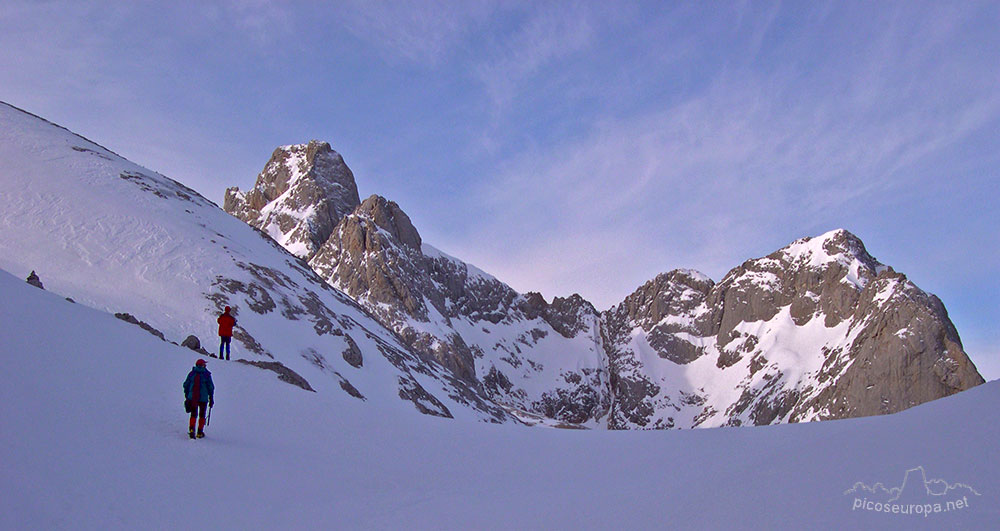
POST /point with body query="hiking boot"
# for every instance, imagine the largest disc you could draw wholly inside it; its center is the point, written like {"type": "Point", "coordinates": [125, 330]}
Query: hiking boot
{"type": "Point", "coordinates": [201, 434]}
{"type": "Point", "coordinates": [191, 433]}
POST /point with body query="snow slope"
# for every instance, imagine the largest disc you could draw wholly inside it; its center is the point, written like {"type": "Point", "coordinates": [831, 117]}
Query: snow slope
{"type": "Point", "coordinates": [94, 438]}
{"type": "Point", "coordinates": [118, 237]}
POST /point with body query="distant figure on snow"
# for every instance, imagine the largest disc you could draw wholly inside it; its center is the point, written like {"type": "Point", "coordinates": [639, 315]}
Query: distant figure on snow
{"type": "Point", "coordinates": [199, 391]}
{"type": "Point", "coordinates": [226, 324]}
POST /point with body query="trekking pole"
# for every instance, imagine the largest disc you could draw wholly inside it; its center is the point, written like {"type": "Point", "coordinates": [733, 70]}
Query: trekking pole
{"type": "Point", "coordinates": [208, 421]}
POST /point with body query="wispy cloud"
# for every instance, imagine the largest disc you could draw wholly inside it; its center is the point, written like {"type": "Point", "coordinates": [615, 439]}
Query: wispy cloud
{"type": "Point", "coordinates": [759, 152]}
{"type": "Point", "coordinates": [426, 32]}
{"type": "Point", "coordinates": [265, 23]}
{"type": "Point", "coordinates": [547, 34]}
{"type": "Point", "coordinates": [501, 44]}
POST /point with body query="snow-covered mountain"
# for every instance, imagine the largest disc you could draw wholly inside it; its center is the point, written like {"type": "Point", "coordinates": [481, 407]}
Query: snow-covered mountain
{"type": "Point", "coordinates": [817, 330]}
{"type": "Point", "coordinates": [94, 437]}
{"type": "Point", "coordinates": [118, 237]}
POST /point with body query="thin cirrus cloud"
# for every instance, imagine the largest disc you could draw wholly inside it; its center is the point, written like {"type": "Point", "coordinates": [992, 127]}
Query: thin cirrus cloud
{"type": "Point", "coordinates": [547, 34]}
{"type": "Point", "coordinates": [779, 153]}
{"type": "Point", "coordinates": [426, 33]}
{"type": "Point", "coordinates": [434, 33]}
{"type": "Point", "coordinates": [719, 182]}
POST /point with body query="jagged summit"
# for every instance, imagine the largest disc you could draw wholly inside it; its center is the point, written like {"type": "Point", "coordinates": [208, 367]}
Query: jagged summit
{"type": "Point", "coordinates": [389, 217]}
{"type": "Point", "coordinates": [299, 197]}
{"type": "Point", "coordinates": [837, 246]}
{"type": "Point", "coordinates": [677, 293]}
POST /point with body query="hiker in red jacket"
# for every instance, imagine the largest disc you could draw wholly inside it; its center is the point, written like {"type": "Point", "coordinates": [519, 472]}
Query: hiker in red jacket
{"type": "Point", "coordinates": [226, 324]}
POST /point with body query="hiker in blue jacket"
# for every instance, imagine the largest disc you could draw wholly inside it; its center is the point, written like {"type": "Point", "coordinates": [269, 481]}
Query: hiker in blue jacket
{"type": "Point", "coordinates": [199, 392]}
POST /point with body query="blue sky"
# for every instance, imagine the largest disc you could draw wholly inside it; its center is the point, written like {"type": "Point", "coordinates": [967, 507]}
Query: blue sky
{"type": "Point", "coordinates": [570, 147]}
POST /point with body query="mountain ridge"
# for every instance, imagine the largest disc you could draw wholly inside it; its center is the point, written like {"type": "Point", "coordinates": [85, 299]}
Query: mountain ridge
{"type": "Point", "coordinates": [607, 373]}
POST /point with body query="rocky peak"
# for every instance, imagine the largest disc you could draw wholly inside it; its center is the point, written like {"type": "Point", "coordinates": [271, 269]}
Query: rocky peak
{"type": "Point", "coordinates": [365, 258]}
{"type": "Point", "coordinates": [678, 292]}
{"type": "Point", "coordinates": [823, 275]}
{"type": "Point", "coordinates": [574, 304]}
{"type": "Point", "coordinates": [567, 315]}
{"type": "Point", "coordinates": [315, 163]}
{"type": "Point", "coordinates": [835, 248]}
{"type": "Point", "coordinates": [389, 217]}
{"type": "Point", "coordinates": [571, 315]}
{"type": "Point", "coordinates": [534, 304]}
{"type": "Point", "coordinates": [672, 303]}
{"type": "Point", "coordinates": [299, 197]}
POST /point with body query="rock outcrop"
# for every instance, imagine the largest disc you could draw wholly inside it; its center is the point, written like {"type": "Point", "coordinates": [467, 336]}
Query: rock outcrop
{"type": "Point", "coordinates": [34, 280]}
{"type": "Point", "coordinates": [192, 342]}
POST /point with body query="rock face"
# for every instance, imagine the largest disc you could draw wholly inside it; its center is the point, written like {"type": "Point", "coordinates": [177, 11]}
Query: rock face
{"type": "Point", "coordinates": [299, 197]}
{"type": "Point", "coordinates": [817, 330]}
{"type": "Point", "coordinates": [470, 322]}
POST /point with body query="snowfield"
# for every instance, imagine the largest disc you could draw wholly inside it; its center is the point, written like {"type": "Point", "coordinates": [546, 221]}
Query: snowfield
{"type": "Point", "coordinates": [95, 438]}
